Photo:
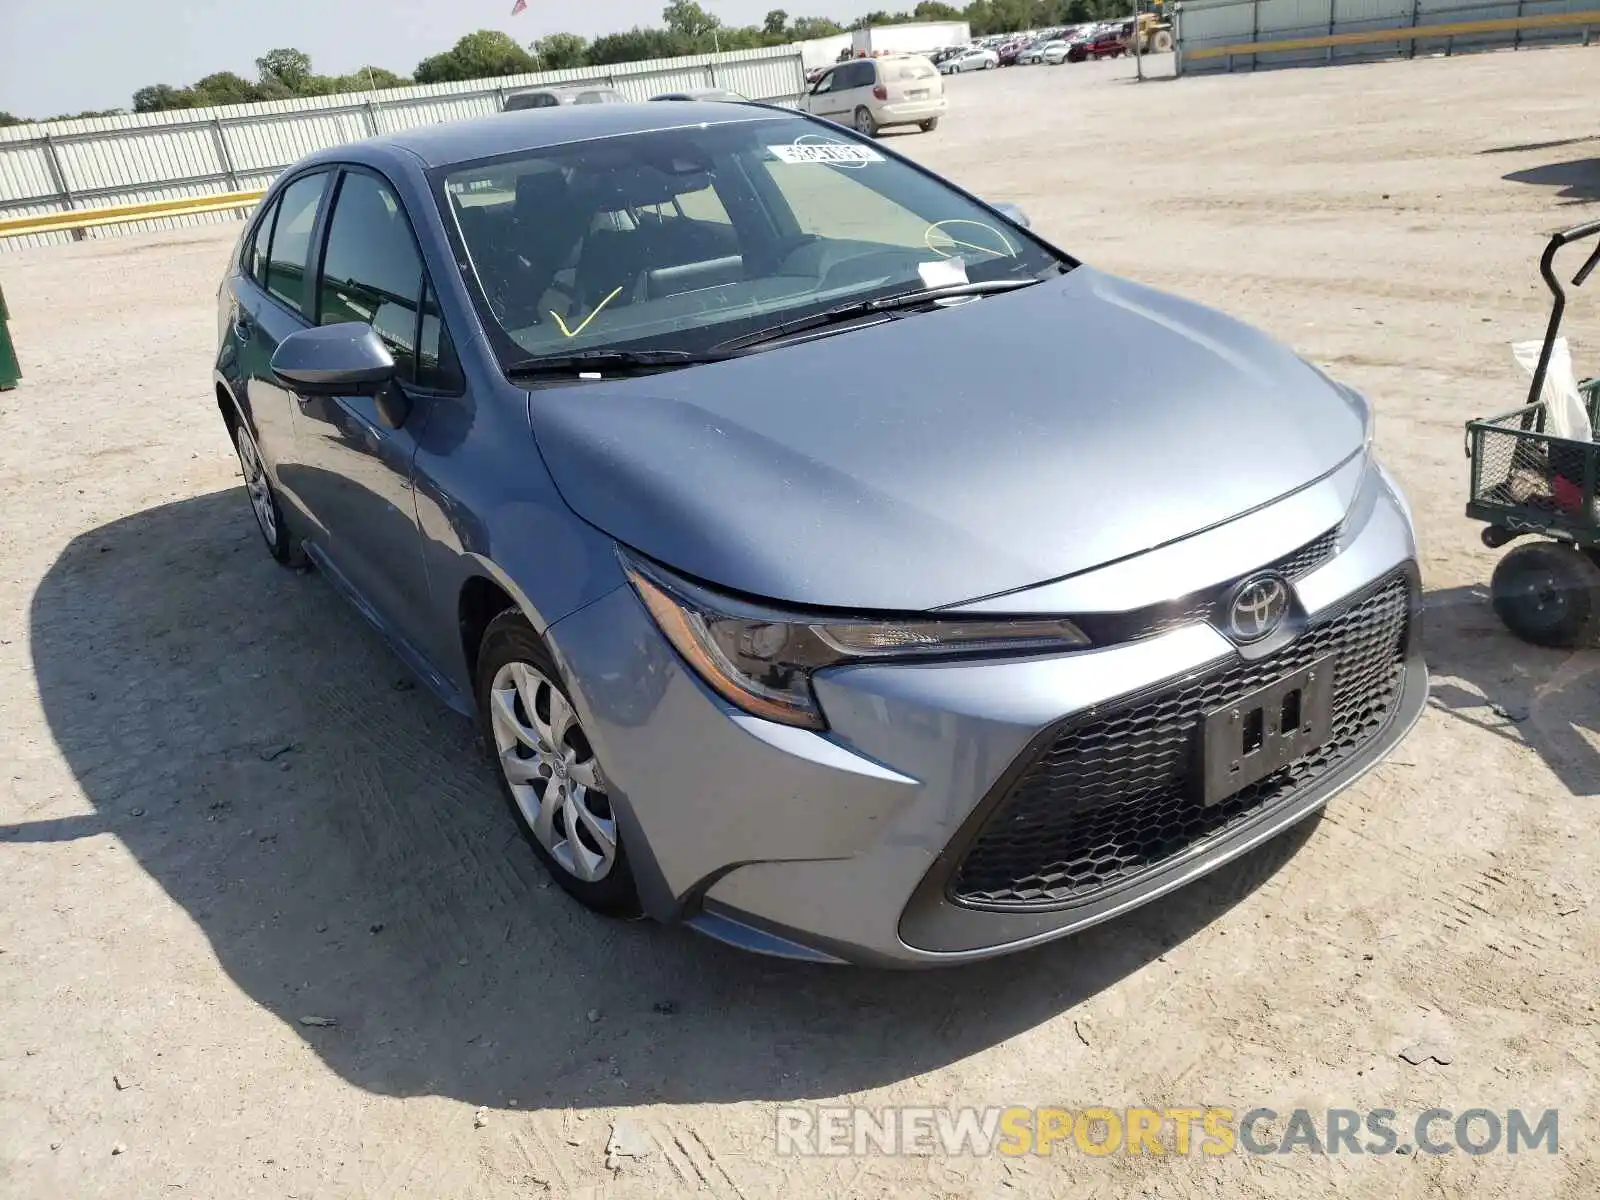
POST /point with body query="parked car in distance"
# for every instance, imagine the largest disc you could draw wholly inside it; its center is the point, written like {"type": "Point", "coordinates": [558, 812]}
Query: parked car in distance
{"type": "Point", "coordinates": [870, 94]}
{"type": "Point", "coordinates": [702, 93]}
{"type": "Point", "coordinates": [664, 441]}
{"type": "Point", "coordinates": [1054, 53]}
{"type": "Point", "coordinates": [1107, 42]}
{"type": "Point", "coordinates": [556, 95]}
{"type": "Point", "coordinates": [972, 58]}
{"type": "Point", "coordinates": [1031, 54]}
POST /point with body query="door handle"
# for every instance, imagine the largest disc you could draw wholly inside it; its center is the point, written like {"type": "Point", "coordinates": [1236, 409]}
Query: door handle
{"type": "Point", "coordinates": [242, 327]}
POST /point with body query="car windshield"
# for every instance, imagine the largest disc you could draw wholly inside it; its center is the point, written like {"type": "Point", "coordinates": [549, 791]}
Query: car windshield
{"type": "Point", "coordinates": [684, 239]}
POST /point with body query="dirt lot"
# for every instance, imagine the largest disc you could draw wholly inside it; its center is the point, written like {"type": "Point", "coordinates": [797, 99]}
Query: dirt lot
{"type": "Point", "coordinates": [224, 808]}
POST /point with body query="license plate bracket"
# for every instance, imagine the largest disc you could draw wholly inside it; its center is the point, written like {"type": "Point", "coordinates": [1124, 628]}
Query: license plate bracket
{"type": "Point", "coordinates": [1247, 740]}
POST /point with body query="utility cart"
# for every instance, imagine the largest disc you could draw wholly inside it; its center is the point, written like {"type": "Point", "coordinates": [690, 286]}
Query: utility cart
{"type": "Point", "coordinates": [1526, 481]}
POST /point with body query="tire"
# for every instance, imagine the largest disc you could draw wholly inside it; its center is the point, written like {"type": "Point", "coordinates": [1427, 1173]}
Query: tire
{"type": "Point", "coordinates": [526, 713]}
{"type": "Point", "coordinates": [1548, 593]}
{"type": "Point", "coordinates": [988, 64]}
{"type": "Point", "coordinates": [929, 125]}
{"type": "Point", "coordinates": [863, 122]}
{"type": "Point", "coordinates": [263, 498]}
{"type": "Point", "coordinates": [1161, 41]}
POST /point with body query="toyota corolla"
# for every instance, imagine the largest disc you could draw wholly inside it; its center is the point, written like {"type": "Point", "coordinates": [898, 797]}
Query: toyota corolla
{"type": "Point", "coordinates": [660, 440]}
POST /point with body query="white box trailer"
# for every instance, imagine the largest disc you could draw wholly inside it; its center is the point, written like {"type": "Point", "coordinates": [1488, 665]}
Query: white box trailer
{"type": "Point", "coordinates": [921, 37]}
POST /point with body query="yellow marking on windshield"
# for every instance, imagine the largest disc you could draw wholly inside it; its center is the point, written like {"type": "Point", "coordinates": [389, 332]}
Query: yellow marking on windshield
{"type": "Point", "coordinates": [939, 228]}
{"type": "Point", "coordinates": [583, 324]}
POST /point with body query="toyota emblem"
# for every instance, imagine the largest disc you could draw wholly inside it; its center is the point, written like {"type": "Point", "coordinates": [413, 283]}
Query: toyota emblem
{"type": "Point", "coordinates": [1257, 607]}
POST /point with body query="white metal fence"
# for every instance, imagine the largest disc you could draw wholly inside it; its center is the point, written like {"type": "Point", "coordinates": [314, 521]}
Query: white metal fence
{"type": "Point", "coordinates": [58, 166]}
{"type": "Point", "coordinates": [1203, 24]}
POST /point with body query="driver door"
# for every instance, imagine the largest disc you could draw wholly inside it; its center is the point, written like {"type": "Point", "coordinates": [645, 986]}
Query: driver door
{"type": "Point", "coordinates": [353, 470]}
{"type": "Point", "coordinates": [822, 102]}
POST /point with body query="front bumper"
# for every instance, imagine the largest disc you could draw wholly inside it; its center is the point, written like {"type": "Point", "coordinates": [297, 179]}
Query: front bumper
{"type": "Point", "coordinates": [845, 845]}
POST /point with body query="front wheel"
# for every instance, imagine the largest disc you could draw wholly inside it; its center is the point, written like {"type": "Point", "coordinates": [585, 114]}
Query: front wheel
{"type": "Point", "coordinates": [864, 123]}
{"type": "Point", "coordinates": [988, 64]}
{"type": "Point", "coordinates": [1548, 593]}
{"type": "Point", "coordinates": [929, 125]}
{"type": "Point", "coordinates": [547, 768]}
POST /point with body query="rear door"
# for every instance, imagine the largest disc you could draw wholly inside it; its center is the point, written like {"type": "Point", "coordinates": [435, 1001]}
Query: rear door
{"type": "Point", "coordinates": [271, 302]}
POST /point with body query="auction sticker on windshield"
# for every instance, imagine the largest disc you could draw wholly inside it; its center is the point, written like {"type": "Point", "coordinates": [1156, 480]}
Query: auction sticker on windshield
{"type": "Point", "coordinates": [824, 152]}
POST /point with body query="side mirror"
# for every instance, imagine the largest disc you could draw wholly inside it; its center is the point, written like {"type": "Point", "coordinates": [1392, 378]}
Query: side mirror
{"type": "Point", "coordinates": [348, 359]}
{"type": "Point", "coordinates": [1013, 214]}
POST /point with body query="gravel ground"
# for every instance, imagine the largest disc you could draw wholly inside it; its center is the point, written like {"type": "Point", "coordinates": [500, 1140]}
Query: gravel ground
{"type": "Point", "coordinates": [225, 808]}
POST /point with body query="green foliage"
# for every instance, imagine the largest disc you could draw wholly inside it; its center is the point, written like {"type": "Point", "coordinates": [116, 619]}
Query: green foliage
{"type": "Point", "coordinates": [560, 51]}
{"type": "Point", "coordinates": [806, 28]}
{"type": "Point", "coordinates": [284, 74]}
{"type": "Point", "coordinates": [686, 20]}
{"type": "Point", "coordinates": [288, 66]}
{"type": "Point", "coordinates": [776, 22]}
{"type": "Point", "coordinates": [635, 44]}
{"type": "Point", "coordinates": [486, 54]}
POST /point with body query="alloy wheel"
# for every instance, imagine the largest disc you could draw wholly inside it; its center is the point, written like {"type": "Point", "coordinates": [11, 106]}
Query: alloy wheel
{"type": "Point", "coordinates": [552, 772]}
{"type": "Point", "coordinates": [257, 485]}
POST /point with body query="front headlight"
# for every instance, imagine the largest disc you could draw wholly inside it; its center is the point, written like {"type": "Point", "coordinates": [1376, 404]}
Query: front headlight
{"type": "Point", "coordinates": [762, 660]}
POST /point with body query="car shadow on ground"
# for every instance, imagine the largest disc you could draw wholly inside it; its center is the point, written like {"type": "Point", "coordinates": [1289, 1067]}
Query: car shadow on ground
{"type": "Point", "coordinates": [1578, 180]}
{"type": "Point", "coordinates": [1546, 699]}
{"type": "Point", "coordinates": [334, 833]}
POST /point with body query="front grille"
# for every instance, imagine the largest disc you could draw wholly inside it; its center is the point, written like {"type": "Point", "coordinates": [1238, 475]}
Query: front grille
{"type": "Point", "coordinates": [1114, 798]}
{"type": "Point", "coordinates": [1309, 557]}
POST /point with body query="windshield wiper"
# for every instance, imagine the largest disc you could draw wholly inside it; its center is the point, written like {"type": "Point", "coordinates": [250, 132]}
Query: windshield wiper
{"type": "Point", "coordinates": [609, 361]}
{"type": "Point", "coordinates": [866, 308]}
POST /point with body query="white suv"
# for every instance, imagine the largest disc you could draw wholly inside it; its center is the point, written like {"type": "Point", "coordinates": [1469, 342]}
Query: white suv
{"type": "Point", "coordinates": [873, 93]}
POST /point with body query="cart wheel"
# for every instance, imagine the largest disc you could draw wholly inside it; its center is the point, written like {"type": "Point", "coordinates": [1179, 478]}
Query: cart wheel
{"type": "Point", "coordinates": [1495, 536]}
{"type": "Point", "coordinates": [1548, 593]}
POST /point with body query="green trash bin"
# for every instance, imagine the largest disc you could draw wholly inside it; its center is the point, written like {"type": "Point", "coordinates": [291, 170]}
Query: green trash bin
{"type": "Point", "coordinates": [9, 371]}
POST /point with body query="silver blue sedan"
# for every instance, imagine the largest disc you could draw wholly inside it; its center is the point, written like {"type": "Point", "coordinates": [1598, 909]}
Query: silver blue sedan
{"type": "Point", "coordinates": [664, 440]}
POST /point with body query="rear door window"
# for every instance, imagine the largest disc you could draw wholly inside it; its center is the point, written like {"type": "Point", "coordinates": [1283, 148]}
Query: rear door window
{"type": "Point", "coordinates": [291, 239]}
{"type": "Point", "coordinates": [254, 259]}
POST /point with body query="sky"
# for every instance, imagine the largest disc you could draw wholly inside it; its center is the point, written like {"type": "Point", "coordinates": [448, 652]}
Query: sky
{"type": "Point", "coordinates": [57, 56]}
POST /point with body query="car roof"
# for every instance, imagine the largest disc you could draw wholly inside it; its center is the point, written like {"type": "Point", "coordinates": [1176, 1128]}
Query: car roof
{"type": "Point", "coordinates": [534, 129]}
{"type": "Point", "coordinates": [580, 85]}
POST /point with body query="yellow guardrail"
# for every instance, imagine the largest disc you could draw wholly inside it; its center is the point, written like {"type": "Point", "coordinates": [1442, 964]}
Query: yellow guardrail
{"type": "Point", "coordinates": [1417, 33]}
{"type": "Point", "coordinates": [117, 214]}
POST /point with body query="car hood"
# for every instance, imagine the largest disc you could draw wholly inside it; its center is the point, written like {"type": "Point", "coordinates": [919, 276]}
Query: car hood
{"type": "Point", "coordinates": [938, 458]}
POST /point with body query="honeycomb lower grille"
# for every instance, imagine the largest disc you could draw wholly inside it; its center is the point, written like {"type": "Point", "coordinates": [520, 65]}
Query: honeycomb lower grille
{"type": "Point", "coordinates": [1110, 800]}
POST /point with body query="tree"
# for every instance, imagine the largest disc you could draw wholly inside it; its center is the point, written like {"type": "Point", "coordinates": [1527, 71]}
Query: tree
{"type": "Point", "coordinates": [224, 88]}
{"type": "Point", "coordinates": [777, 21]}
{"type": "Point", "coordinates": [7, 119]}
{"type": "Point", "coordinates": [159, 97]}
{"type": "Point", "coordinates": [634, 45]}
{"type": "Point", "coordinates": [933, 10]}
{"type": "Point", "coordinates": [370, 79]}
{"type": "Point", "coordinates": [560, 51]}
{"type": "Point", "coordinates": [288, 66]}
{"type": "Point", "coordinates": [806, 28]}
{"type": "Point", "coordinates": [486, 54]}
{"type": "Point", "coordinates": [687, 20]}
